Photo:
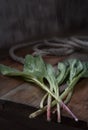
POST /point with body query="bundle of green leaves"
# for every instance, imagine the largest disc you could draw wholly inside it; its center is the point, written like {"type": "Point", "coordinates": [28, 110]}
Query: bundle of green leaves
{"type": "Point", "coordinates": [50, 80]}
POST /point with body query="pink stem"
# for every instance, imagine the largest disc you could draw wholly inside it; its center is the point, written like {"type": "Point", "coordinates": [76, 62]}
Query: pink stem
{"type": "Point", "coordinates": [49, 108]}
{"type": "Point", "coordinates": [69, 111]}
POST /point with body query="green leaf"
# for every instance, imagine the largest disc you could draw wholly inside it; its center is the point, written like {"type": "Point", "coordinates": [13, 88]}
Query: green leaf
{"type": "Point", "coordinates": [63, 71]}
{"type": "Point", "coordinates": [35, 66]}
{"type": "Point", "coordinates": [76, 67]}
{"type": "Point", "coordinates": [5, 70]}
{"type": "Point", "coordinates": [85, 74]}
{"type": "Point", "coordinates": [50, 74]}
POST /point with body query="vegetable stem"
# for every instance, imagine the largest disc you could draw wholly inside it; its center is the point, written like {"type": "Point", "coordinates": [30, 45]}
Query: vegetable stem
{"type": "Point", "coordinates": [49, 107]}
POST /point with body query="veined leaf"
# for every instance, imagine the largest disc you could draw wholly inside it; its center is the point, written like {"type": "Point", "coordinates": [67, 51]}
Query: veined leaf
{"type": "Point", "coordinates": [50, 75]}
{"type": "Point", "coordinates": [35, 66]}
{"type": "Point", "coordinates": [76, 67]}
{"type": "Point", "coordinates": [63, 71]}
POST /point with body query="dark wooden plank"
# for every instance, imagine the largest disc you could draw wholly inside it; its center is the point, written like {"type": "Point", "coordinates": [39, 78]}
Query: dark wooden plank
{"type": "Point", "coordinates": [26, 94]}
{"type": "Point", "coordinates": [7, 84]}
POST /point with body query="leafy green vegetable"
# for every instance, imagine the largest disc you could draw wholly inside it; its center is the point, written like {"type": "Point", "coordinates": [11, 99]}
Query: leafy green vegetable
{"type": "Point", "coordinates": [44, 75]}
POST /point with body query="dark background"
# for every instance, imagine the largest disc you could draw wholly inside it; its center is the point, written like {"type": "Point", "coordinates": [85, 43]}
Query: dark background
{"type": "Point", "coordinates": [25, 19]}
